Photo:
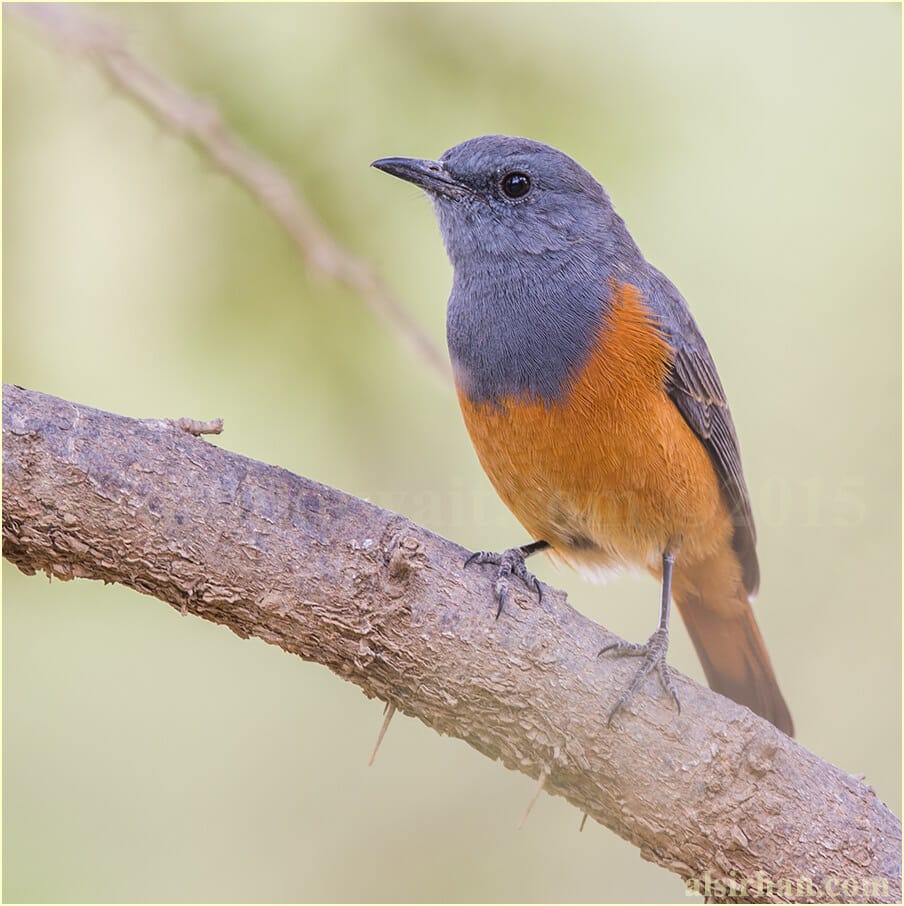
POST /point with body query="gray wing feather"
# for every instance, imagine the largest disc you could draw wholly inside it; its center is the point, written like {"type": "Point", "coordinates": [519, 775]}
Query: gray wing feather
{"type": "Point", "coordinates": [694, 387]}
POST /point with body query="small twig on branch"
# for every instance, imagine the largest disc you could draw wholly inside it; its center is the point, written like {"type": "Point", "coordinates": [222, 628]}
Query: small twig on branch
{"type": "Point", "coordinates": [179, 111]}
{"type": "Point", "coordinates": [714, 791]}
{"type": "Point", "coordinates": [197, 428]}
{"type": "Point", "coordinates": [541, 782]}
{"type": "Point", "coordinates": [389, 711]}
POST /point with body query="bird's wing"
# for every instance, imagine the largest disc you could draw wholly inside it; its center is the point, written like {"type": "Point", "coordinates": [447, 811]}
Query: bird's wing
{"type": "Point", "coordinates": [694, 387]}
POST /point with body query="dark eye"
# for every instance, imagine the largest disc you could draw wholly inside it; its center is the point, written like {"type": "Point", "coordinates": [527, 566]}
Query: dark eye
{"type": "Point", "coordinates": [516, 185]}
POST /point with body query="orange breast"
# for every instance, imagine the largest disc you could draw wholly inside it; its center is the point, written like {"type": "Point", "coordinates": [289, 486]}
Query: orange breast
{"type": "Point", "coordinates": [612, 473]}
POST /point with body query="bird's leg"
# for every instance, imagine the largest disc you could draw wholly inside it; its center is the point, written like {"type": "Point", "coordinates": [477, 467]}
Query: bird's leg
{"type": "Point", "coordinates": [511, 563]}
{"type": "Point", "coordinates": [655, 649]}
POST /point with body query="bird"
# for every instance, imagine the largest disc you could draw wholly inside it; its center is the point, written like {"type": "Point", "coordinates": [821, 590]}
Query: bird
{"type": "Point", "coordinates": [594, 405]}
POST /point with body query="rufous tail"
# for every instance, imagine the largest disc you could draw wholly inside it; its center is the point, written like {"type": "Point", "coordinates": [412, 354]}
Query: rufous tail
{"type": "Point", "coordinates": [720, 622]}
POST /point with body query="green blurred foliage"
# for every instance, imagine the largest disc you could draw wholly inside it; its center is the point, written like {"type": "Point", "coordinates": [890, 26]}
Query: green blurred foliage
{"type": "Point", "coordinates": [754, 151]}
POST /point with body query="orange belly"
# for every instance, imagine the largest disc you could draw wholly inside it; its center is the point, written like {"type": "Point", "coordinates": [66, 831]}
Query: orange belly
{"type": "Point", "coordinates": [611, 474]}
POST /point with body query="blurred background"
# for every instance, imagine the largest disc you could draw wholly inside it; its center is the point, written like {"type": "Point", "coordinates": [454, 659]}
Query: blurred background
{"type": "Point", "coordinates": [754, 151]}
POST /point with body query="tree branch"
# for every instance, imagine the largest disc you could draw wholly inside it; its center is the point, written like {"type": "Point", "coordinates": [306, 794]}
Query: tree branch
{"type": "Point", "coordinates": [200, 121]}
{"type": "Point", "coordinates": [387, 605]}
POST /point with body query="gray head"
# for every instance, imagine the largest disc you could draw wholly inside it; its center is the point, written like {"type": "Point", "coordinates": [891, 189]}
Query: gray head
{"type": "Point", "coordinates": [533, 240]}
{"type": "Point", "coordinates": [498, 195]}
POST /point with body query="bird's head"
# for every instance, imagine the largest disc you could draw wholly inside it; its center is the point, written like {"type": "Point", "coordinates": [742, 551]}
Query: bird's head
{"type": "Point", "coordinates": [502, 197]}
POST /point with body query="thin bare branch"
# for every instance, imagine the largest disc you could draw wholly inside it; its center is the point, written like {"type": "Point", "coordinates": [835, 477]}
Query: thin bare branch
{"type": "Point", "coordinates": [199, 120]}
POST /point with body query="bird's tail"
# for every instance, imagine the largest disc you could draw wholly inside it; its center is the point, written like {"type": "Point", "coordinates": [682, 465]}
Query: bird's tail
{"type": "Point", "coordinates": [720, 622]}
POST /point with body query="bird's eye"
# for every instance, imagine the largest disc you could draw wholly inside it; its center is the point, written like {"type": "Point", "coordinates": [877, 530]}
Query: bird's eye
{"type": "Point", "coordinates": [516, 185]}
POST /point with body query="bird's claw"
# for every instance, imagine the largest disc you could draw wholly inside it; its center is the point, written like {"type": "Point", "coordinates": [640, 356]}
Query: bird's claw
{"type": "Point", "coordinates": [653, 652]}
{"type": "Point", "coordinates": [510, 563]}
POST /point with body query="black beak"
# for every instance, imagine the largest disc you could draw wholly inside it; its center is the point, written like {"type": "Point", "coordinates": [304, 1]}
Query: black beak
{"type": "Point", "coordinates": [430, 175]}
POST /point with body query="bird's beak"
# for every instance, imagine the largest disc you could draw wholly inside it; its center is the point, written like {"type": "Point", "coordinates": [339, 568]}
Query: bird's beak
{"type": "Point", "coordinates": [430, 175]}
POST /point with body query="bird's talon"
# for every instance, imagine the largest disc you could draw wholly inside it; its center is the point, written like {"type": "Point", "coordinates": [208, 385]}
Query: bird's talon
{"type": "Point", "coordinates": [500, 597]}
{"type": "Point", "coordinates": [539, 589]}
{"type": "Point", "coordinates": [510, 562]}
{"type": "Point", "coordinates": [480, 557]}
{"type": "Point", "coordinates": [621, 648]}
{"type": "Point", "coordinates": [654, 653]}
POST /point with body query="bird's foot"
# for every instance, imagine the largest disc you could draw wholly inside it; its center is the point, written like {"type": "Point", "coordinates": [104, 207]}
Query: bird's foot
{"type": "Point", "coordinates": [510, 563]}
{"type": "Point", "coordinates": [653, 652]}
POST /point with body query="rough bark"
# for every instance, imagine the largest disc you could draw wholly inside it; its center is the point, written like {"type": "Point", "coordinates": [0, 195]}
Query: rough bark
{"type": "Point", "coordinates": [713, 792]}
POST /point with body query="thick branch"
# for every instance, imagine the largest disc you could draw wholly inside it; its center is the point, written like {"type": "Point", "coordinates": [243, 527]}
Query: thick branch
{"type": "Point", "coordinates": [386, 604]}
